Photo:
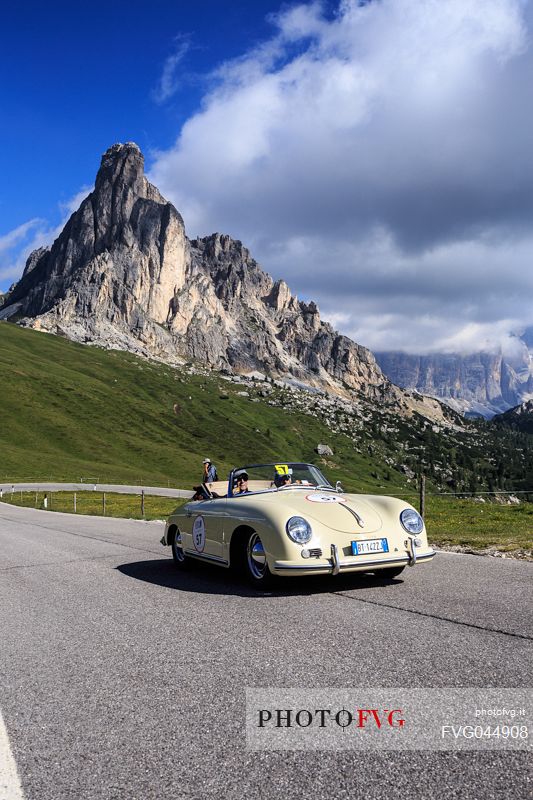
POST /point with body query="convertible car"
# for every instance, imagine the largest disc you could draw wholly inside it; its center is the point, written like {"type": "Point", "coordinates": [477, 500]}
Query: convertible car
{"type": "Point", "coordinates": [287, 519]}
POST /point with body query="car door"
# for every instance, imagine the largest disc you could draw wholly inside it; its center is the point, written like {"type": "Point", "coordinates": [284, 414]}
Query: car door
{"type": "Point", "coordinates": [204, 532]}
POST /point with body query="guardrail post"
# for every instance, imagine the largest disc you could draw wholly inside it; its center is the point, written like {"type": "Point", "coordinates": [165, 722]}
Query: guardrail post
{"type": "Point", "coordinates": [74, 502]}
{"type": "Point", "coordinates": [103, 502]}
{"type": "Point", "coordinates": [142, 503]}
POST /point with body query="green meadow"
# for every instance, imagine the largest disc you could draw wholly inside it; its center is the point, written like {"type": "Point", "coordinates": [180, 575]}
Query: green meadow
{"type": "Point", "coordinates": [470, 523]}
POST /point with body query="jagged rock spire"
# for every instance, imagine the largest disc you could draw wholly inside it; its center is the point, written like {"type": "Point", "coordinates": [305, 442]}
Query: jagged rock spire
{"type": "Point", "coordinates": [123, 274]}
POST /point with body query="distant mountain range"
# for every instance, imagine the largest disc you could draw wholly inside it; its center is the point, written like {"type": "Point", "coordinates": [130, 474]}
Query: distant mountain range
{"type": "Point", "coordinates": [481, 384]}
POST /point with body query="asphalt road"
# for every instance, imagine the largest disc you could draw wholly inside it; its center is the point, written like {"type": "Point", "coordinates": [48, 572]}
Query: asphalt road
{"type": "Point", "coordinates": [121, 678]}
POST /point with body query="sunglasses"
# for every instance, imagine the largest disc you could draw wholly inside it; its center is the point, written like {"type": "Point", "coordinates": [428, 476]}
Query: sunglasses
{"type": "Point", "coordinates": [242, 480]}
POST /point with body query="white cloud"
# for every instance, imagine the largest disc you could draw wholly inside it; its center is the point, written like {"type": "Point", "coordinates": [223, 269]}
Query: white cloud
{"type": "Point", "coordinates": [169, 82]}
{"type": "Point", "coordinates": [14, 237]}
{"type": "Point", "coordinates": [462, 295]}
{"type": "Point", "coordinates": [380, 162]}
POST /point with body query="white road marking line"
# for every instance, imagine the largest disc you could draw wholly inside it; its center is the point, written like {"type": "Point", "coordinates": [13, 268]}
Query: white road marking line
{"type": "Point", "coordinates": [10, 788]}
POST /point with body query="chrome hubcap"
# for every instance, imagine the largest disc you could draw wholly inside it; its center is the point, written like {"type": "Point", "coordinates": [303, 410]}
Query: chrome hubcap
{"type": "Point", "coordinates": [176, 546]}
{"type": "Point", "coordinates": [257, 562]}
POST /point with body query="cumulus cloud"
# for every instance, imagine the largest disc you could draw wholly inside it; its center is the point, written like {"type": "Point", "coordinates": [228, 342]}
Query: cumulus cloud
{"type": "Point", "coordinates": [379, 160]}
{"type": "Point", "coordinates": [462, 295]}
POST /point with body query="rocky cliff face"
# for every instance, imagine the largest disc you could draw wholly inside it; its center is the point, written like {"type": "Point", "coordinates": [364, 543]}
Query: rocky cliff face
{"type": "Point", "coordinates": [483, 383]}
{"type": "Point", "coordinates": [124, 274]}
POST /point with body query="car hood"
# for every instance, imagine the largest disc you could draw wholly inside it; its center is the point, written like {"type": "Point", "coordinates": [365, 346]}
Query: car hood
{"type": "Point", "coordinates": [336, 511]}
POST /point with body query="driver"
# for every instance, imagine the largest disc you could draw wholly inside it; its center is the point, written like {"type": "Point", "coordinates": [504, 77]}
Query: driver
{"type": "Point", "coordinates": [282, 475]}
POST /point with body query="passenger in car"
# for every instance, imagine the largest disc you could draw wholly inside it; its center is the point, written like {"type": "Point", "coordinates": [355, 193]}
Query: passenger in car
{"type": "Point", "coordinates": [241, 482]}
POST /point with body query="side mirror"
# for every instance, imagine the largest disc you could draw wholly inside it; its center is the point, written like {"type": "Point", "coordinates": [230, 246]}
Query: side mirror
{"type": "Point", "coordinates": [338, 487]}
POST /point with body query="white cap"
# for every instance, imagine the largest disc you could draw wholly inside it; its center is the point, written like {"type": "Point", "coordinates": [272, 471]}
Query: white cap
{"type": "Point", "coordinates": [207, 461]}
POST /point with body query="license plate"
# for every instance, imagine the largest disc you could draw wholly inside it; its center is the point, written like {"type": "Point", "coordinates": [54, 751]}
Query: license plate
{"type": "Point", "coordinates": [370, 546]}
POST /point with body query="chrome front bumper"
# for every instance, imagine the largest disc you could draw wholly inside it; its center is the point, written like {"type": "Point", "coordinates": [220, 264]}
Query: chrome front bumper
{"type": "Point", "coordinates": [334, 565]}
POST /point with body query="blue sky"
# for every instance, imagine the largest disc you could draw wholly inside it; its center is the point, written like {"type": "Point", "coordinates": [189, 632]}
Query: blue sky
{"type": "Point", "coordinates": [77, 77]}
{"type": "Point", "coordinates": [376, 155]}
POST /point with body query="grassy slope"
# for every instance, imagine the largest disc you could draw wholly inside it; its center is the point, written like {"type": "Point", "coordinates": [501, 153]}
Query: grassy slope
{"type": "Point", "coordinates": [70, 411]}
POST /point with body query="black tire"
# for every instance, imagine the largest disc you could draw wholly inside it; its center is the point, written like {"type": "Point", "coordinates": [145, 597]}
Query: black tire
{"type": "Point", "coordinates": [253, 560]}
{"type": "Point", "coordinates": [180, 561]}
{"type": "Point", "coordinates": [389, 572]}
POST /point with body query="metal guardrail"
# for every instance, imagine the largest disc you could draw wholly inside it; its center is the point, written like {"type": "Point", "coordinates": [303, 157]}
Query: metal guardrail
{"type": "Point", "coordinates": [45, 492]}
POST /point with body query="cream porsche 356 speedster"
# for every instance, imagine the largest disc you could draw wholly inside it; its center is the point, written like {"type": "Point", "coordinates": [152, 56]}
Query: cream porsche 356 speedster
{"type": "Point", "coordinates": [287, 520]}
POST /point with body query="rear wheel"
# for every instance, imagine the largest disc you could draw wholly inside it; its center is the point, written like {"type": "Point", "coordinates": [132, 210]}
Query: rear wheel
{"type": "Point", "coordinates": [177, 551]}
{"type": "Point", "coordinates": [389, 572]}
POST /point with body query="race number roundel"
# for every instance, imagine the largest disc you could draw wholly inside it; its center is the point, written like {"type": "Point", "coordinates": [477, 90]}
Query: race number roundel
{"type": "Point", "coordinates": [198, 534]}
{"type": "Point", "coordinates": [325, 498]}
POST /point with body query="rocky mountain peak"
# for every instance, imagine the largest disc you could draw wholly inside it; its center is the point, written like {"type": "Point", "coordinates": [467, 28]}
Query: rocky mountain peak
{"type": "Point", "coordinates": [123, 162]}
{"type": "Point", "coordinates": [122, 196]}
{"type": "Point", "coordinates": [122, 171]}
{"type": "Point", "coordinates": [123, 274]}
{"type": "Point", "coordinates": [221, 247]}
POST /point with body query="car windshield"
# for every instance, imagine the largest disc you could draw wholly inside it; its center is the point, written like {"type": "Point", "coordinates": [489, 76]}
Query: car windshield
{"type": "Point", "coordinates": [276, 477]}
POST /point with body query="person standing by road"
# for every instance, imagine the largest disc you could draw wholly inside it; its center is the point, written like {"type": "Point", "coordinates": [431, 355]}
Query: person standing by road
{"type": "Point", "coordinates": [210, 472]}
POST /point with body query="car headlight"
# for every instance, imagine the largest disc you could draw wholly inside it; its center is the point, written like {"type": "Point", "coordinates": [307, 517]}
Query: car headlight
{"type": "Point", "coordinates": [299, 530]}
{"type": "Point", "coordinates": [411, 521]}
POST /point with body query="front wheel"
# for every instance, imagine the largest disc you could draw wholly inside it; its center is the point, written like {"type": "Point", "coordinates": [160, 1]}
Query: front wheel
{"type": "Point", "coordinates": [255, 562]}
